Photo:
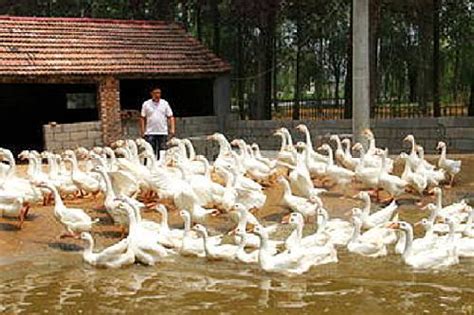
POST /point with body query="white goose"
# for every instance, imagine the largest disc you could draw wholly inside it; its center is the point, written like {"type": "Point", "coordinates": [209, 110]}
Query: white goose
{"type": "Point", "coordinates": [75, 220]}
{"type": "Point", "coordinates": [452, 167]}
{"type": "Point", "coordinates": [85, 182]}
{"type": "Point", "coordinates": [369, 246]}
{"type": "Point", "coordinates": [306, 206]}
{"type": "Point", "coordinates": [442, 255]}
{"type": "Point", "coordinates": [417, 180]}
{"type": "Point", "coordinates": [114, 256]}
{"type": "Point", "coordinates": [296, 237]}
{"type": "Point", "coordinates": [286, 153]}
{"type": "Point", "coordinates": [380, 217]}
{"type": "Point", "coordinates": [338, 230]}
{"type": "Point", "coordinates": [392, 184]}
{"type": "Point", "coordinates": [12, 204]}
{"type": "Point", "coordinates": [110, 203]}
{"type": "Point", "coordinates": [299, 177]}
{"type": "Point", "coordinates": [289, 263]}
{"type": "Point", "coordinates": [246, 217]}
{"type": "Point", "coordinates": [225, 251]}
{"type": "Point", "coordinates": [313, 155]}
{"type": "Point", "coordinates": [337, 174]}
{"type": "Point", "coordinates": [143, 242]}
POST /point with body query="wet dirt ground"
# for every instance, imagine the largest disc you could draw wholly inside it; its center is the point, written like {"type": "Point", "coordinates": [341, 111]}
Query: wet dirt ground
{"type": "Point", "coordinates": [40, 273]}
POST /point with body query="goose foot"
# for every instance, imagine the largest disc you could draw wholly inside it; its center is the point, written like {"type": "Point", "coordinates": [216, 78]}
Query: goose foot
{"type": "Point", "coordinates": [22, 216]}
{"type": "Point", "coordinates": [450, 185]}
{"type": "Point", "coordinates": [386, 200]}
{"type": "Point", "coordinates": [66, 235]}
{"type": "Point", "coordinates": [285, 219]}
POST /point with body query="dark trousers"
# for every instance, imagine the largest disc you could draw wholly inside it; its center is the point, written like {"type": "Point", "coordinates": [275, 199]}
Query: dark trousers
{"type": "Point", "coordinates": [158, 142]}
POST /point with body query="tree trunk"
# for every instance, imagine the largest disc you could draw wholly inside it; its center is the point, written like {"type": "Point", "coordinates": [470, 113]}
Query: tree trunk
{"type": "Point", "coordinates": [274, 73]}
{"type": "Point", "coordinates": [215, 26]}
{"type": "Point", "coordinates": [296, 104]}
{"type": "Point", "coordinates": [240, 70]}
{"type": "Point", "coordinates": [348, 81]}
{"type": "Point", "coordinates": [424, 70]}
{"type": "Point", "coordinates": [198, 20]}
{"type": "Point", "coordinates": [436, 72]}
{"type": "Point", "coordinates": [264, 64]}
{"type": "Point", "coordinates": [471, 98]}
{"type": "Point", "coordinates": [374, 25]}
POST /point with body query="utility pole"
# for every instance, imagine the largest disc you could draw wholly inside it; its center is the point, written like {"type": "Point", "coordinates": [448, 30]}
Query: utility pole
{"type": "Point", "coordinates": [360, 69]}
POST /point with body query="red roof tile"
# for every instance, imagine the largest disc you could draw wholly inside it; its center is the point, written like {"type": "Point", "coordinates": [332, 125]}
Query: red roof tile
{"type": "Point", "coordinates": [84, 46]}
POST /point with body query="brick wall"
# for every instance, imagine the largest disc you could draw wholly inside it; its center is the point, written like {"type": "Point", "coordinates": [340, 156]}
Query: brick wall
{"type": "Point", "coordinates": [457, 132]}
{"type": "Point", "coordinates": [108, 97]}
{"type": "Point", "coordinates": [59, 137]}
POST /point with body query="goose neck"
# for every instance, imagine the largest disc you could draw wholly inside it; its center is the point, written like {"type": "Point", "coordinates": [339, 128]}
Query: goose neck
{"type": "Point", "coordinates": [356, 231]}
{"type": "Point", "coordinates": [408, 242]}
{"type": "Point", "coordinates": [108, 184]}
{"type": "Point", "coordinates": [164, 219]}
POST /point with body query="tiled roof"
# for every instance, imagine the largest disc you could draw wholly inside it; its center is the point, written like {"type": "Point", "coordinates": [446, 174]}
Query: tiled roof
{"type": "Point", "coordinates": [84, 46]}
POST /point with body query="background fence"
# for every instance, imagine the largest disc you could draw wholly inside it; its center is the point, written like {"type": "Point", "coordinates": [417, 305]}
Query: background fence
{"type": "Point", "coordinates": [333, 109]}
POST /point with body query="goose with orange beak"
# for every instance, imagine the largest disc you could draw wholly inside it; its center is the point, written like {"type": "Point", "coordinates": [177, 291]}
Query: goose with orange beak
{"type": "Point", "coordinates": [441, 255]}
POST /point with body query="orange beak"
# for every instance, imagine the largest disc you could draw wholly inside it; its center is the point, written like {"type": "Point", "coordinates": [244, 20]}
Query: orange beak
{"type": "Point", "coordinates": [393, 225]}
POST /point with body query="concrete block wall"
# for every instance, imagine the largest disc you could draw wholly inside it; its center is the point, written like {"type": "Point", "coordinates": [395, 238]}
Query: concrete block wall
{"type": "Point", "coordinates": [457, 132]}
{"type": "Point", "coordinates": [59, 137]}
{"type": "Point", "coordinates": [194, 128]}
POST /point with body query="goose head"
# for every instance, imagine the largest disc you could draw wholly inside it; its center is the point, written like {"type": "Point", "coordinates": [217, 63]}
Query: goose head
{"type": "Point", "coordinates": [346, 142]}
{"type": "Point", "coordinates": [86, 236]}
{"type": "Point", "coordinates": [260, 231]}
{"type": "Point", "coordinates": [174, 142]}
{"type": "Point", "coordinates": [200, 229]}
{"type": "Point", "coordinates": [368, 134]}
{"type": "Point", "coordinates": [358, 147]}
{"type": "Point", "coordinates": [82, 152]}
{"type": "Point", "coordinates": [441, 145]}
{"type": "Point", "coordinates": [420, 150]}
{"type": "Point", "coordinates": [400, 225]}
{"type": "Point", "coordinates": [409, 138]}
{"type": "Point", "coordinates": [282, 180]}
{"type": "Point", "coordinates": [98, 150]}
{"type": "Point", "coordinates": [300, 145]}
{"type": "Point", "coordinates": [24, 155]}
{"type": "Point", "coordinates": [314, 199]}
{"type": "Point", "coordinates": [301, 128]}
{"type": "Point", "coordinates": [255, 147]}
{"type": "Point", "coordinates": [240, 208]}
{"type": "Point", "coordinates": [278, 133]}
{"type": "Point", "coordinates": [184, 214]}
{"type": "Point", "coordinates": [425, 223]}
{"type": "Point", "coordinates": [325, 147]}
{"type": "Point", "coordinates": [214, 136]}
{"type": "Point", "coordinates": [98, 169]}
{"type": "Point", "coordinates": [437, 191]}
{"type": "Point", "coordinates": [334, 138]}
{"type": "Point", "coordinates": [296, 219]}
{"type": "Point", "coordinates": [140, 141]}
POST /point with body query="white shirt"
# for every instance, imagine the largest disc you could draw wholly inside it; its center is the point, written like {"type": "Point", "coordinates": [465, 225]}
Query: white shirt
{"type": "Point", "coordinates": [156, 115]}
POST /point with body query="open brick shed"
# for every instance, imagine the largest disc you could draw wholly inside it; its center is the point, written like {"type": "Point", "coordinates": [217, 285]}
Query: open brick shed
{"type": "Point", "coordinates": [52, 69]}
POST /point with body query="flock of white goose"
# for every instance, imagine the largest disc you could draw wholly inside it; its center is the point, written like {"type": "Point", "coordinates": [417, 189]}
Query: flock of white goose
{"type": "Point", "coordinates": [129, 172]}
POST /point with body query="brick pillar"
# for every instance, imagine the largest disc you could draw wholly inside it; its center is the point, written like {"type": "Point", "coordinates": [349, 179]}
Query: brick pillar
{"type": "Point", "coordinates": [109, 105]}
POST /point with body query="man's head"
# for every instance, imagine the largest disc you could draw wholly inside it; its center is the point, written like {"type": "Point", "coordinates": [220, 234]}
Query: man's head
{"type": "Point", "coordinates": [155, 94]}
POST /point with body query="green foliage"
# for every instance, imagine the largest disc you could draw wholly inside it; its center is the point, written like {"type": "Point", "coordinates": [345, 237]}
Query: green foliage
{"type": "Point", "coordinates": [314, 33]}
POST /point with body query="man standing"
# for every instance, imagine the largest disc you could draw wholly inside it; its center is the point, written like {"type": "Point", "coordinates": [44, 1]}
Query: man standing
{"type": "Point", "coordinates": [157, 121]}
